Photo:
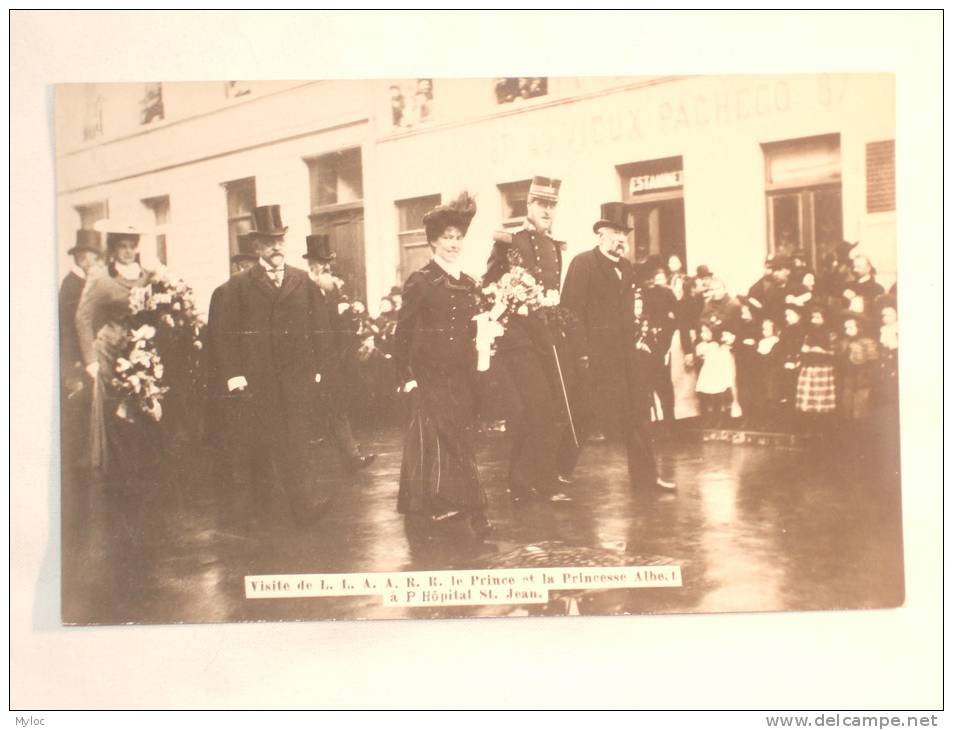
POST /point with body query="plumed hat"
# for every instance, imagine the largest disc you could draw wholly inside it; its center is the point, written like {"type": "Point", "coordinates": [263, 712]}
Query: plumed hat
{"type": "Point", "coordinates": [457, 213]}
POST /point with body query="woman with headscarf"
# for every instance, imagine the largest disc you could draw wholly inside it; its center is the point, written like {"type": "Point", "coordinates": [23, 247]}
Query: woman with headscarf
{"type": "Point", "coordinates": [115, 443]}
{"type": "Point", "coordinates": [436, 360]}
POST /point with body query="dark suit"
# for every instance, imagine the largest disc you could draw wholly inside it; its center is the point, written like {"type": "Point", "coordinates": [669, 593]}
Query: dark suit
{"type": "Point", "coordinates": [329, 414]}
{"type": "Point", "coordinates": [526, 357]}
{"type": "Point", "coordinates": [74, 385]}
{"type": "Point", "coordinates": [276, 339]}
{"type": "Point", "coordinates": [602, 301]}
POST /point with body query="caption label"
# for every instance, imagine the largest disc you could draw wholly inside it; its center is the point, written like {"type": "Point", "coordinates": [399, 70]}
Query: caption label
{"type": "Point", "coordinates": [461, 587]}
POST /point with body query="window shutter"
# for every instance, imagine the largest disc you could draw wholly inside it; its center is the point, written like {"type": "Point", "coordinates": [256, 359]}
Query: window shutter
{"type": "Point", "coordinates": [881, 174]}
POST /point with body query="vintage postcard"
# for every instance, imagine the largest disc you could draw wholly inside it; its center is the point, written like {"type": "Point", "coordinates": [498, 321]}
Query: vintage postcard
{"type": "Point", "coordinates": [457, 347]}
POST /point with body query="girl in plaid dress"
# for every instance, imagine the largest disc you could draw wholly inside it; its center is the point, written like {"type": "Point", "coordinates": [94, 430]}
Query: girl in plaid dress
{"type": "Point", "coordinates": [815, 385]}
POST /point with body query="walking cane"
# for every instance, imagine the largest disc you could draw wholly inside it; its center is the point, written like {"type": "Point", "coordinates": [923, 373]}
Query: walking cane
{"type": "Point", "coordinates": [562, 383]}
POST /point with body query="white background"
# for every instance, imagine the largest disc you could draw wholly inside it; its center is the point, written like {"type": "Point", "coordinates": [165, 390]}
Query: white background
{"type": "Point", "coordinates": [885, 659]}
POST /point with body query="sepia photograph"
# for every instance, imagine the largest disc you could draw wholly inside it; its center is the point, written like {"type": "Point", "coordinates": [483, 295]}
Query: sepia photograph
{"type": "Point", "coordinates": [443, 347]}
{"type": "Point", "coordinates": [447, 359]}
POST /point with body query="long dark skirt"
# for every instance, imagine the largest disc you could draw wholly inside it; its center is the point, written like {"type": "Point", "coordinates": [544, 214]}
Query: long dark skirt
{"type": "Point", "coordinates": [439, 470]}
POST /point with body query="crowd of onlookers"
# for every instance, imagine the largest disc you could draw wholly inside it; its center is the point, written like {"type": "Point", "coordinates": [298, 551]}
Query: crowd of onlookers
{"type": "Point", "coordinates": [801, 349]}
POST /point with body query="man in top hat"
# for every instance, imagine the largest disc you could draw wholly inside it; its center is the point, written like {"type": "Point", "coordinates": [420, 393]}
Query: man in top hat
{"type": "Point", "coordinates": [273, 353]}
{"type": "Point", "coordinates": [600, 291]}
{"type": "Point", "coordinates": [526, 351]}
{"type": "Point", "coordinates": [329, 413]}
{"type": "Point", "coordinates": [87, 253]}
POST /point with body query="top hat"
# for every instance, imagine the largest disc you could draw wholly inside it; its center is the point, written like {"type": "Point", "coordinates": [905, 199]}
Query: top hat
{"type": "Point", "coordinates": [612, 215]}
{"type": "Point", "coordinates": [319, 248]}
{"type": "Point", "coordinates": [246, 249]}
{"type": "Point", "coordinates": [545, 188]}
{"type": "Point", "coordinates": [268, 221]}
{"type": "Point", "coordinates": [87, 240]}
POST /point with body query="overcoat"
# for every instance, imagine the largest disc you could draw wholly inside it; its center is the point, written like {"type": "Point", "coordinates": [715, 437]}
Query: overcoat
{"type": "Point", "coordinates": [70, 292]}
{"type": "Point", "coordinates": [277, 339]}
{"type": "Point", "coordinates": [603, 304]}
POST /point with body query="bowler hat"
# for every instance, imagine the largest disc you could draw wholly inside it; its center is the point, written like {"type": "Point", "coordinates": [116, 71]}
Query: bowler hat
{"type": "Point", "coordinates": [319, 248]}
{"type": "Point", "coordinates": [612, 215]}
{"type": "Point", "coordinates": [268, 221]}
{"type": "Point", "coordinates": [87, 240]}
{"type": "Point", "coordinates": [246, 249]}
{"type": "Point", "coordinates": [703, 272]}
{"type": "Point", "coordinates": [545, 188]}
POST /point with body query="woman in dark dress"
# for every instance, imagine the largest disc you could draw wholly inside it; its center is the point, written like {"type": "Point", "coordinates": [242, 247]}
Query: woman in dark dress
{"type": "Point", "coordinates": [436, 360]}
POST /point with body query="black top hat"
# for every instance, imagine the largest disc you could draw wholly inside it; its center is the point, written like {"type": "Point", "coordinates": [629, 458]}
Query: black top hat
{"type": "Point", "coordinates": [246, 249]}
{"type": "Point", "coordinates": [87, 240]}
{"type": "Point", "coordinates": [612, 215]}
{"type": "Point", "coordinates": [268, 221]}
{"type": "Point", "coordinates": [319, 248]}
{"type": "Point", "coordinates": [545, 188]}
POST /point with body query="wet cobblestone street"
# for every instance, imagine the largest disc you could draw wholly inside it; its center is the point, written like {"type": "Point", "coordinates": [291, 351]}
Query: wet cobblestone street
{"type": "Point", "coordinates": [752, 527]}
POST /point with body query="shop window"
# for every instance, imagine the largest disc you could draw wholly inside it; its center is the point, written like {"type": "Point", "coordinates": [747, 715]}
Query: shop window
{"type": "Point", "coordinates": [414, 249]}
{"type": "Point", "coordinates": [804, 197]}
{"type": "Point", "coordinates": [236, 89]}
{"type": "Point", "coordinates": [159, 207]}
{"type": "Point", "coordinates": [336, 178]}
{"type": "Point", "coordinates": [151, 103]}
{"type": "Point", "coordinates": [881, 177]}
{"type": "Point", "coordinates": [509, 90]}
{"type": "Point", "coordinates": [513, 197]}
{"type": "Point", "coordinates": [653, 190]}
{"type": "Point", "coordinates": [411, 102]}
{"type": "Point", "coordinates": [92, 113]}
{"type": "Point", "coordinates": [90, 213]}
{"type": "Point", "coordinates": [240, 202]}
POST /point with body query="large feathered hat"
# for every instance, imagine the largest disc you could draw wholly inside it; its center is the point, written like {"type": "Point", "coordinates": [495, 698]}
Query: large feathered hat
{"type": "Point", "coordinates": [457, 213]}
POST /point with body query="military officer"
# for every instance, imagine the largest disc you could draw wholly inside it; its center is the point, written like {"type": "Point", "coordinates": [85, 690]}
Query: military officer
{"type": "Point", "coordinates": [527, 351]}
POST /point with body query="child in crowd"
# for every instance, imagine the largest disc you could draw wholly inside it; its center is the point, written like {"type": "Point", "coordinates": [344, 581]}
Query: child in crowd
{"type": "Point", "coordinates": [790, 341]}
{"type": "Point", "coordinates": [765, 378]}
{"type": "Point", "coordinates": [856, 357]}
{"type": "Point", "coordinates": [716, 375]}
{"type": "Point", "coordinates": [816, 394]}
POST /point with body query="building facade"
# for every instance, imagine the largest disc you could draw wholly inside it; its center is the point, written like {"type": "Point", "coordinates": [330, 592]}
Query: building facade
{"type": "Point", "coordinates": [718, 170]}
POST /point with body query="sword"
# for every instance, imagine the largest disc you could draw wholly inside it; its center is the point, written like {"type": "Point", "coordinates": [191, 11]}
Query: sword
{"type": "Point", "coordinates": [562, 383]}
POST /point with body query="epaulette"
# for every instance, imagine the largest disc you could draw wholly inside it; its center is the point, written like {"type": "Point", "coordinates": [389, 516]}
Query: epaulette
{"type": "Point", "coordinates": [503, 237]}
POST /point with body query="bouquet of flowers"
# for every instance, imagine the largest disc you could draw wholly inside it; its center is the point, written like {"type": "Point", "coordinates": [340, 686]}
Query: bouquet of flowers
{"type": "Point", "coordinates": [162, 319]}
{"type": "Point", "coordinates": [517, 294]}
{"type": "Point", "coordinates": [139, 376]}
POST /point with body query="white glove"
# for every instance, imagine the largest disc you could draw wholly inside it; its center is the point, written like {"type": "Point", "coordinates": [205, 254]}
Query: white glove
{"type": "Point", "coordinates": [93, 369]}
{"type": "Point", "coordinates": [408, 386]}
{"type": "Point", "coordinates": [237, 383]}
{"type": "Point", "coordinates": [317, 378]}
